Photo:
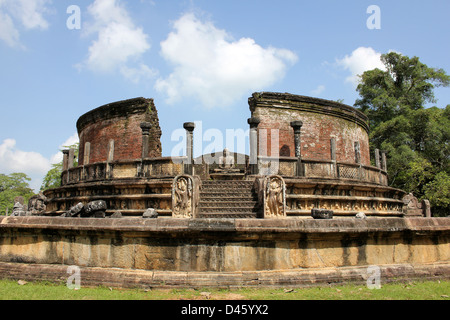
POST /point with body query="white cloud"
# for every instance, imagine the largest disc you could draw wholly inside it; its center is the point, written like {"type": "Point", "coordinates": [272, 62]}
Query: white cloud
{"type": "Point", "coordinates": [362, 59]}
{"type": "Point", "coordinates": [213, 67]}
{"type": "Point", "coordinates": [58, 157]}
{"type": "Point", "coordinates": [318, 90]}
{"type": "Point", "coordinates": [29, 13]}
{"type": "Point", "coordinates": [119, 42]}
{"type": "Point", "coordinates": [33, 164]}
{"type": "Point", "coordinates": [15, 160]}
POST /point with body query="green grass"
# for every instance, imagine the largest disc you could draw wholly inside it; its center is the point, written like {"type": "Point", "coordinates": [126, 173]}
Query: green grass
{"type": "Point", "coordinates": [430, 290]}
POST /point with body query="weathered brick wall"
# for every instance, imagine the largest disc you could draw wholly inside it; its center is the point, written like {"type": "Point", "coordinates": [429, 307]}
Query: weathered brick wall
{"type": "Point", "coordinates": [322, 120]}
{"type": "Point", "coordinates": [119, 121]}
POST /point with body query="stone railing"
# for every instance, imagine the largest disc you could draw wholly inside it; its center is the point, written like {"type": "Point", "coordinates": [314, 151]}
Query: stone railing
{"type": "Point", "coordinates": [327, 169]}
{"type": "Point", "coordinates": [146, 168]}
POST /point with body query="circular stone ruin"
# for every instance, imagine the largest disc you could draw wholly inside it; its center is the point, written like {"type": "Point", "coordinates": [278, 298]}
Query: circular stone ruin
{"type": "Point", "coordinates": [309, 205]}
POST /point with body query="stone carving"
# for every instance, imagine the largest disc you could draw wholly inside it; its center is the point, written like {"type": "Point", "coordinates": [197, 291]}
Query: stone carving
{"type": "Point", "coordinates": [274, 197]}
{"type": "Point", "coordinates": [74, 211]}
{"type": "Point", "coordinates": [150, 213]}
{"type": "Point", "coordinates": [321, 213]}
{"type": "Point", "coordinates": [415, 208]}
{"type": "Point", "coordinates": [361, 215]}
{"type": "Point", "coordinates": [226, 163]}
{"type": "Point", "coordinates": [19, 210]}
{"type": "Point", "coordinates": [185, 196]}
{"type": "Point", "coordinates": [37, 204]}
{"type": "Point", "coordinates": [93, 209]}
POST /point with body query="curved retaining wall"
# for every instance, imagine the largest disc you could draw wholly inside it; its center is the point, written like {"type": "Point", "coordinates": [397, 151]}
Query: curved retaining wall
{"type": "Point", "coordinates": [322, 120]}
{"type": "Point", "coordinates": [119, 122]}
{"type": "Point", "coordinates": [224, 252]}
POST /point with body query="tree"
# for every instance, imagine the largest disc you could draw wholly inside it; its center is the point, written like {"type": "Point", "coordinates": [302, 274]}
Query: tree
{"type": "Point", "coordinates": [53, 177]}
{"type": "Point", "coordinates": [416, 138]}
{"type": "Point", "coordinates": [12, 186]}
{"type": "Point", "coordinates": [405, 85]}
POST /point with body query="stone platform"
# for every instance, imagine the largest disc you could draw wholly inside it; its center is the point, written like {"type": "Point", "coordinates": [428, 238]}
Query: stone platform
{"type": "Point", "coordinates": [168, 252]}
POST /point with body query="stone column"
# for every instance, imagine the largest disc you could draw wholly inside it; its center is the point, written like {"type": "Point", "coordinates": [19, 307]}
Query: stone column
{"type": "Point", "coordinates": [357, 152]}
{"type": "Point", "coordinates": [377, 158]}
{"type": "Point", "coordinates": [189, 127]}
{"type": "Point", "coordinates": [253, 122]}
{"type": "Point", "coordinates": [65, 160]}
{"type": "Point", "coordinates": [333, 149]}
{"type": "Point", "coordinates": [383, 161]}
{"type": "Point", "coordinates": [333, 156]}
{"type": "Point", "coordinates": [145, 126]}
{"type": "Point", "coordinates": [109, 159]}
{"type": "Point", "coordinates": [297, 125]}
{"type": "Point", "coordinates": [87, 153]}
{"type": "Point", "coordinates": [71, 158]}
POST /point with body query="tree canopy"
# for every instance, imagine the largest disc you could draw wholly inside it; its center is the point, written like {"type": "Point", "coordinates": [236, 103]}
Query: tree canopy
{"type": "Point", "coordinates": [416, 138]}
{"type": "Point", "coordinates": [12, 186]}
{"type": "Point", "coordinates": [53, 177]}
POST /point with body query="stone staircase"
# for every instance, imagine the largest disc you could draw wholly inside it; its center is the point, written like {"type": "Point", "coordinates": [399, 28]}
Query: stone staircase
{"type": "Point", "coordinates": [228, 199]}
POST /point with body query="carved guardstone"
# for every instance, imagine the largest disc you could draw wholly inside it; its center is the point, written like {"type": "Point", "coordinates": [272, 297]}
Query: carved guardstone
{"type": "Point", "coordinates": [185, 196]}
{"type": "Point", "coordinates": [274, 197]}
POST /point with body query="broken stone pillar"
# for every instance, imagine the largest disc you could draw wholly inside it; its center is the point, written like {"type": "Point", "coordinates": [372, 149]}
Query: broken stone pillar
{"type": "Point", "coordinates": [383, 161]}
{"type": "Point", "coordinates": [71, 158]}
{"type": "Point", "coordinates": [333, 155]}
{"type": "Point", "coordinates": [377, 158]}
{"type": "Point", "coordinates": [253, 122]}
{"type": "Point", "coordinates": [189, 127]}
{"type": "Point", "coordinates": [333, 149]}
{"type": "Point", "coordinates": [87, 153]}
{"type": "Point", "coordinates": [297, 125]}
{"type": "Point", "coordinates": [110, 158]}
{"type": "Point", "coordinates": [357, 152]}
{"type": "Point", "coordinates": [65, 159]}
{"type": "Point", "coordinates": [145, 126]}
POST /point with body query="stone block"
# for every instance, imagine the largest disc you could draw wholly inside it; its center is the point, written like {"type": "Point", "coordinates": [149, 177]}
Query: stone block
{"type": "Point", "coordinates": [150, 214]}
{"type": "Point", "coordinates": [321, 213]}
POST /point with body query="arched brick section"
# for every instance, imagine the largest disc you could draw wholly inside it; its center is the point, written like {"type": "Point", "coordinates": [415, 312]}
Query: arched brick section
{"type": "Point", "coordinates": [119, 121]}
{"type": "Point", "coordinates": [322, 121]}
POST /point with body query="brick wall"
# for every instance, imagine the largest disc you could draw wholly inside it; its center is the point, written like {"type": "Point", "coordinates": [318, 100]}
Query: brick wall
{"type": "Point", "coordinates": [322, 120]}
{"type": "Point", "coordinates": [120, 122]}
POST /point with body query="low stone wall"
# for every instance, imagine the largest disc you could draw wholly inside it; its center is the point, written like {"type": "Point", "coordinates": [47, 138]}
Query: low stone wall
{"type": "Point", "coordinates": [211, 249]}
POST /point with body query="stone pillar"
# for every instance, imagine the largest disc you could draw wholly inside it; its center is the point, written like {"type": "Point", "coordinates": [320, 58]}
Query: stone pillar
{"type": "Point", "coordinates": [71, 158]}
{"type": "Point", "coordinates": [333, 156]}
{"type": "Point", "coordinates": [65, 160]}
{"type": "Point", "coordinates": [333, 149]}
{"type": "Point", "coordinates": [189, 127]}
{"type": "Point", "coordinates": [357, 152]}
{"type": "Point", "coordinates": [377, 158]}
{"type": "Point", "coordinates": [87, 153]}
{"type": "Point", "coordinates": [109, 159]}
{"type": "Point", "coordinates": [297, 125]}
{"type": "Point", "coordinates": [253, 122]}
{"type": "Point", "coordinates": [145, 126]}
{"type": "Point", "coordinates": [383, 161]}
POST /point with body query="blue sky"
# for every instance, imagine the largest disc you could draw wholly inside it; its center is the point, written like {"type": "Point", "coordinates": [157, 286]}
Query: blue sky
{"type": "Point", "coordinates": [200, 60]}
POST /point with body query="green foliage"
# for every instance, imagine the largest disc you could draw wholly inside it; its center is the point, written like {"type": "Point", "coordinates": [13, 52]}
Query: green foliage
{"type": "Point", "coordinates": [53, 177]}
{"type": "Point", "coordinates": [415, 138]}
{"type": "Point", "coordinates": [418, 290]}
{"type": "Point", "coordinates": [407, 84]}
{"type": "Point", "coordinates": [12, 186]}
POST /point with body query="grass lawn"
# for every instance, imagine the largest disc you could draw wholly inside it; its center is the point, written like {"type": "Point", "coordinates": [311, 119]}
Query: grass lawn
{"type": "Point", "coordinates": [430, 290]}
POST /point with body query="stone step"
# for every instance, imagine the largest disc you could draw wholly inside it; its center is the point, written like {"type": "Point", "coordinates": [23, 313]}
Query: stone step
{"type": "Point", "coordinates": [228, 215]}
{"type": "Point", "coordinates": [229, 204]}
{"type": "Point", "coordinates": [228, 210]}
